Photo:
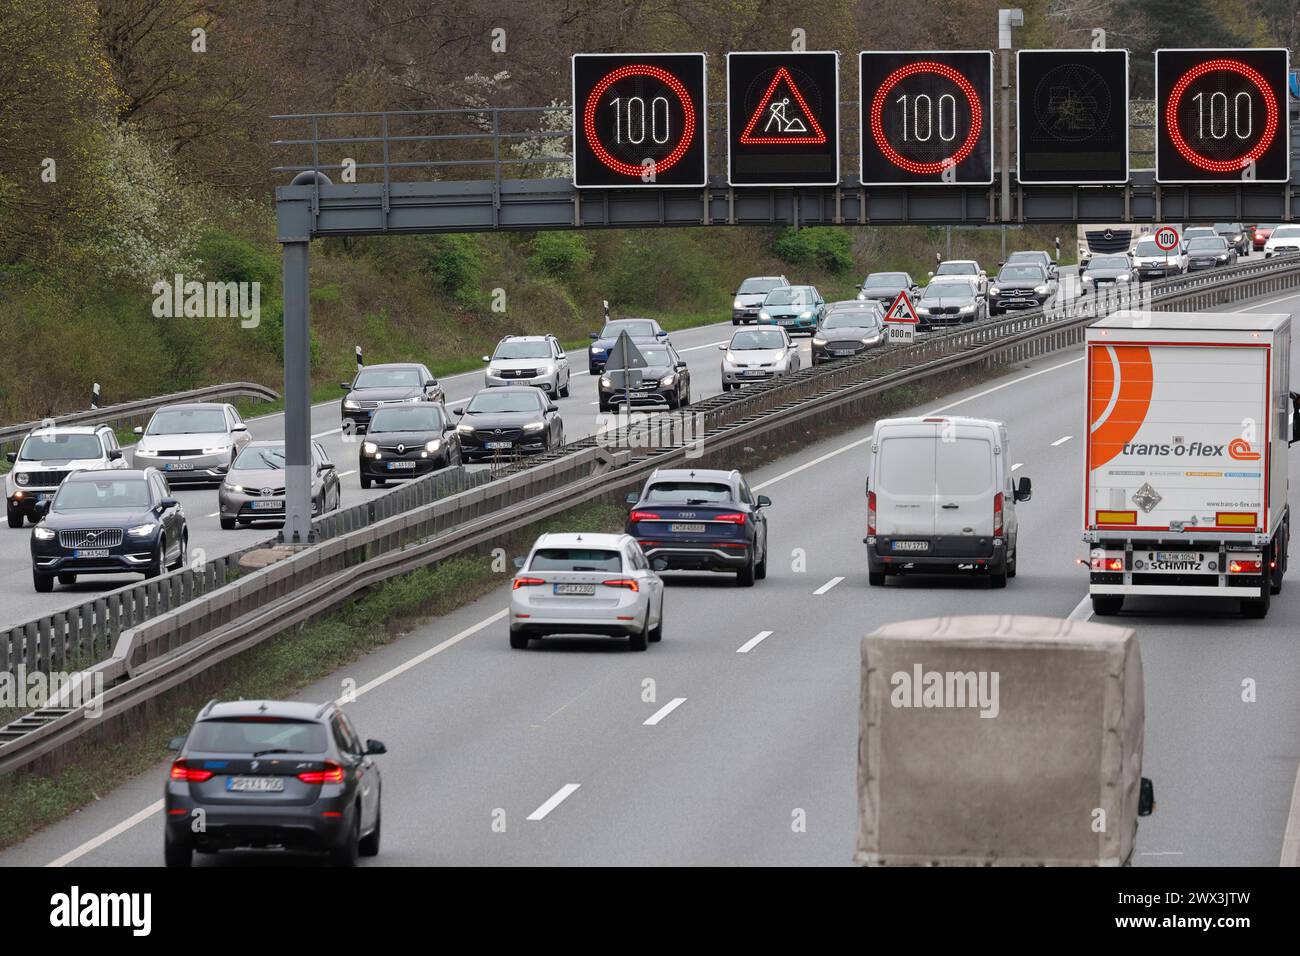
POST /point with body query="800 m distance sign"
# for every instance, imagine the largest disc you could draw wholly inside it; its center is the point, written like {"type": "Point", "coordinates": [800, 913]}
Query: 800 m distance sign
{"type": "Point", "coordinates": [926, 117]}
{"type": "Point", "coordinates": [639, 120]}
{"type": "Point", "coordinates": [1221, 116]}
{"type": "Point", "coordinates": [783, 119]}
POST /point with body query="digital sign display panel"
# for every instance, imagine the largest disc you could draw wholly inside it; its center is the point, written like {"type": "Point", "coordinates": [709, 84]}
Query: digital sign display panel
{"type": "Point", "coordinates": [783, 119]}
{"type": "Point", "coordinates": [1072, 116]}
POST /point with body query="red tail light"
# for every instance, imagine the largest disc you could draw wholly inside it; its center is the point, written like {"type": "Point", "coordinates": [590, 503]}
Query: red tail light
{"type": "Point", "coordinates": [643, 516]}
{"type": "Point", "coordinates": [181, 770]}
{"type": "Point", "coordinates": [1245, 567]}
{"type": "Point", "coordinates": [332, 773]}
{"type": "Point", "coordinates": [622, 583]}
{"type": "Point", "coordinates": [871, 512]}
{"type": "Point", "coordinates": [735, 518]}
{"type": "Point", "coordinates": [526, 583]}
{"type": "Point", "coordinates": [997, 515]}
{"type": "Point", "coordinates": [1107, 564]}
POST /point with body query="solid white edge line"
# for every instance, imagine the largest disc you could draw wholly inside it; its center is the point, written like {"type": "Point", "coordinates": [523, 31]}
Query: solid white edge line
{"type": "Point", "coordinates": [753, 642]}
{"type": "Point", "coordinates": [1017, 466]}
{"type": "Point", "coordinates": [828, 585]}
{"type": "Point", "coordinates": [423, 656]}
{"type": "Point", "coordinates": [663, 711]}
{"type": "Point", "coordinates": [95, 842]}
{"type": "Point", "coordinates": [1082, 611]}
{"type": "Point", "coordinates": [558, 797]}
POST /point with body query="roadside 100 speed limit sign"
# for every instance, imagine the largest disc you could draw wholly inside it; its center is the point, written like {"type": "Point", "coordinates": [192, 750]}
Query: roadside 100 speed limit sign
{"type": "Point", "coordinates": [1166, 238]}
{"type": "Point", "coordinates": [639, 119]}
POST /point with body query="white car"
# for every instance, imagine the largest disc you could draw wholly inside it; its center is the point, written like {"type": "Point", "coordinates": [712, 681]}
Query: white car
{"type": "Point", "coordinates": [754, 355]}
{"type": "Point", "coordinates": [968, 268]}
{"type": "Point", "coordinates": [194, 442]}
{"type": "Point", "coordinates": [1285, 241]}
{"type": "Point", "coordinates": [580, 583]}
{"type": "Point", "coordinates": [46, 457]}
{"type": "Point", "coordinates": [1152, 262]}
{"type": "Point", "coordinates": [529, 360]}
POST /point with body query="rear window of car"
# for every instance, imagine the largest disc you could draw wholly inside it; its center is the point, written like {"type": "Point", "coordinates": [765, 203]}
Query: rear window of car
{"type": "Point", "coordinates": [964, 467]}
{"type": "Point", "coordinates": [576, 559]}
{"type": "Point", "coordinates": [687, 493]}
{"type": "Point", "coordinates": [906, 465]}
{"type": "Point", "coordinates": [254, 735]}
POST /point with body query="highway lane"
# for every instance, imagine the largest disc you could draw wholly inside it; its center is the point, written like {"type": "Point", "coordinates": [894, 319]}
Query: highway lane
{"type": "Point", "coordinates": [756, 765]}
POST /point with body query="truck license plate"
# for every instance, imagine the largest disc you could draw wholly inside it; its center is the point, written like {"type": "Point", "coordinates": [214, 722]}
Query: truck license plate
{"type": "Point", "coordinates": [1177, 556]}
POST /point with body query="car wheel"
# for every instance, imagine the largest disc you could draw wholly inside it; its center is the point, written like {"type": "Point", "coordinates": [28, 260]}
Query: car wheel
{"type": "Point", "coordinates": [15, 519]}
{"type": "Point", "coordinates": [227, 524]}
{"type": "Point", "coordinates": [177, 853]}
{"type": "Point", "coordinates": [1107, 605]}
{"type": "Point", "coordinates": [657, 632]}
{"type": "Point", "coordinates": [67, 578]}
{"type": "Point", "coordinates": [1011, 562]}
{"type": "Point", "coordinates": [44, 583]}
{"type": "Point", "coordinates": [184, 550]}
{"type": "Point", "coordinates": [745, 576]}
{"type": "Point", "coordinates": [641, 639]}
{"type": "Point", "coordinates": [876, 579]}
{"type": "Point", "coordinates": [760, 569]}
{"type": "Point", "coordinates": [564, 392]}
{"type": "Point", "coordinates": [518, 640]}
{"type": "Point", "coordinates": [1279, 557]}
{"type": "Point", "coordinates": [345, 854]}
{"type": "Point", "coordinates": [369, 845]}
{"type": "Point", "coordinates": [155, 567]}
{"type": "Point", "coordinates": [735, 321]}
{"type": "Point", "coordinates": [365, 482]}
{"type": "Point", "coordinates": [686, 399]}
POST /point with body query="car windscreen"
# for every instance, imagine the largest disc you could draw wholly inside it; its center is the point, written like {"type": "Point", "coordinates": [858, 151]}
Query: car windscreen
{"type": "Point", "coordinates": [43, 447]}
{"type": "Point", "coordinates": [1196, 231]}
{"type": "Point", "coordinates": [963, 467]}
{"type": "Point", "coordinates": [256, 735]}
{"type": "Point", "coordinates": [102, 493]}
{"type": "Point", "coordinates": [787, 296]}
{"type": "Point", "coordinates": [1207, 244]}
{"type": "Point", "coordinates": [757, 339]}
{"type": "Point", "coordinates": [259, 457]}
{"type": "Point", "coordinates": [634, 329]}
{"type": "Point", "coordinates": [1109, 262]}
{"type": "Point", "coordinates": [687, 493]}
{"type": "Point", "coordinates": [957, 269]}
{"type": "Point", "coordinates": [1027, 257]}
{"type": "Point", "coordinates": [493, 401]}
{"type": "Point", "coordinates": [1021, 274]}
{"type": "Point", "coordinates": [755, 286]}
{"type": "Point", "coordinates": [852, 319]}
{"type": "Point", "coordinates": [1286, 232]}
{"type": "Point", "coordinates": [654, 358]}
{"type": "Point", "coordinates": [424, 417]}
{"type": "Point", "coordinates": [522, 350]}
{"type": "Point", "coordinates": [1232, 227]}
{"type": "Point", "coordinates": [575, 559]}
{"type": "Point", "coordinates": [387, 378]}
{"type": "Point", "coordinates": [947, 290]}
{"type": "Point", "coordinates": [885, 280]}
{"type": "Point", "coordinates": [1148, 247]}
{"type": "Point", "coordinates": [186, 421]}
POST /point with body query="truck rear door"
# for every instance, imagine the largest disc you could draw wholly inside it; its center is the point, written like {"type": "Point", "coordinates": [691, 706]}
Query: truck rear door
{"type": "Point", "coordinates": [965, 482]}
{"type": "Point", "coordinates": [905, 482]}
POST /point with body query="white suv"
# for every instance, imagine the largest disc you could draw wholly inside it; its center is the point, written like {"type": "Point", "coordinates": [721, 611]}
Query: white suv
{"type": "Point", "coordinates": [46, 457]}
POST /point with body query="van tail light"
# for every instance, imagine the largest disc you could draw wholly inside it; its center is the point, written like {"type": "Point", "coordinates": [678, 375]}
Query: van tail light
{"type": "Point", "coordinates": [997, 515]}
{"type": "Point", "coordinates": [331, 773]}
{"type": "Point", "coordinates": [526, 583]}
{"type": "Point", "coordinates": [181, 770]}
{"type": "Point", "coordinates": [871, 512]}
{"type": "Point", "coordinates": [1245, 567]}
{"type": "Point", "coordinates": [732, 518]}
{"type": "Point", "coordinates": [622, 583]}
{"type": "Point", "coordinates": [643, 516]}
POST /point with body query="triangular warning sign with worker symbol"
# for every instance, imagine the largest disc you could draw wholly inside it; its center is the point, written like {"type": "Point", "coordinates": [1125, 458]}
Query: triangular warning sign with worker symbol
{"type": "Point", "coordinates": [901, 311]}
{"type": "Point", "coordinates": [783, 117]}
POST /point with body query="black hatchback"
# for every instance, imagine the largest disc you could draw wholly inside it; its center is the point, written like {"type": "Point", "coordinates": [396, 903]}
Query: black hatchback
{"type": "Point", "coordinates": [272, 774]}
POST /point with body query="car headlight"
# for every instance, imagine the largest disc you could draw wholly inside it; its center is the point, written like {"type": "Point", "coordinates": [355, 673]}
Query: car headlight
{"type": "Point", "coordinates": [142, 530]}
{"type": "Point", "coordinates": [805, 315]}
{"type": "Point", "coordinates": [730, 359]}
{"type": "Point", "coordinates": [922, 310]}
{"type": "Point", "coordinates": [350, 405]}
{"type": "Point", "coordinates": [42, 534]}
{"type": "Point", "coordinates": [433, 444]}
{"type": "Point", "coordinates": [667, 380]}
{"type": "Point", "coordinates": [606, 382]}
{"type": "Point", "coordinates": [818, 340]}
{"type": "Point", "coordinates": [763, 314]}
{"type": "Point", "coordinates": [966, 309]}
{"type": "Point", "coordinates": [1222, 258]}
{"type": "Point", "coordinates": [862, 296]}
{"type": "Point", "coordinates": [216, 449]}
{"type": "Point", "coordinates": [993, 290]}
{"type": "Point", "coordinates": [22, 478]}
{"type": "Point", "coordinates": [464, 429]}
{"type": "Point", "coordinates": [871, 339]}
{"type": "Point", "coordinates": [1041, 289]}
{"type": "Point", "coordinates": [1122, 277]}
{"type": "Point", "coordinates": [737, 304]}
{"type": "Point", "coordinates": [597, 350]}
{"type": "Point", "coordinates": [237, 489]}
{"type": "Point", "coordinates": [413, 398]}
{"type": "Point", "coordinates": [494, 372]}
{"type": "Point", "coordinates": [1086, 279]}
{"type": "Point", "coordinates": [369, 448]}
{"type": "Point", "coordinates": [534, 426]}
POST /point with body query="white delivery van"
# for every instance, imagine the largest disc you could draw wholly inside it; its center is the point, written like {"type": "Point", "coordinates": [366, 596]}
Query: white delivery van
{"type": "Point", "coordinates": [940, 498]}
{"type": "Point", "coordinates": [1189, 419]}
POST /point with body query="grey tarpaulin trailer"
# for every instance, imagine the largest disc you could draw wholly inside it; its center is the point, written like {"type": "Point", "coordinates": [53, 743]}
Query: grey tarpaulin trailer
{"type": "Point", "coordinates": [1000, 740]}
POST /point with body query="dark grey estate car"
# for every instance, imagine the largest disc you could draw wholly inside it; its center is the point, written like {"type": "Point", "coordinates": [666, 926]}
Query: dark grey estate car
{"type": "Point", "coordinates": [276, 774]}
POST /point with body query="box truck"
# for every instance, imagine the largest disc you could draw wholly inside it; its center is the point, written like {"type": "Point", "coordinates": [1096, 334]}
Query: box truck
{"type": "Point", "coordinates": [999, 741]}
{"type": "Point", "coordinates": [1189, 420]}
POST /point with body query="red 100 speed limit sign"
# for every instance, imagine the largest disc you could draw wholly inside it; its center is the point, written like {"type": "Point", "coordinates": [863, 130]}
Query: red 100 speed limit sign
{"type": "Point", "coordinates": [1167, 238]}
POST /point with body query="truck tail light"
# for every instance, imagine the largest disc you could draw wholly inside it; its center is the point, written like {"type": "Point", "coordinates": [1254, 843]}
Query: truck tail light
{"type": "Point", "coordinates": [997, 515]}
{"type": "Point", "coordinates": [1245, 567]}
{"type": "Point", "coordinates": [1108, 564]}
{"type": "Point", "coordinates": [871, 512]}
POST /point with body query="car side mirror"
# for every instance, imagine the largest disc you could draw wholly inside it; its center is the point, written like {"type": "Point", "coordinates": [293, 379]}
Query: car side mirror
{"type": "Point", "coordinates": [1146, 797]}
{"type": "Point", "coordinates": [11, 456]}
{"type": "Point", "coordinates": [659, 564]}
{"type": "Point", "coordinates": [631, 498]}
{"type": "Point", "coordinates": [593, 336]}
{"type": "Point", "coordinates": [374, 748]}
{"type": "Point", "coordinates": [487, 358]}
{"type": "Point", "coordinates": [113, 455]}
{"type": "Point", "coordinates": [1024, 490]}
{"type": "Point", "coordinates": [764, 501]}
{"type": "Point", "coordinates": [138, 430]}
{"type": "Point", "coordinates": [241, 427]}
{"type": "Point", "coordinates": [519, 563]}
{"type": "Point", "coordinates": [1295, 419]}
{"type": "Point", "coordinates": [458, 411]}
{"type": "Point", "coordinates": [930, 275]}
{"type": "Point", "coordinates": [176, 743]}
{"type": "Point", "coordinates": [346, 386]}
{"type": "Point", "coordinates": [168, 503]}
{"type": "Point", "coordinates": [722, 348]}
{"type": "Point", "coordinates": [327, 466]}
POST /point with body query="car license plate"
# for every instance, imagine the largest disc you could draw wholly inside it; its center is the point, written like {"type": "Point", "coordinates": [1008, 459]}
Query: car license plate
{"type": "Point", "coordinates": [574, 589]}
{"type": "Point", "coordinates": [754, 373]}
{"type": "Point", "coordinates": [911, 545]}
{"type": "Point", "coordinates": [494, 445]}
{"type": "Point", "coordinates": [178, 466]}
{"type": "Point", "coordinates": [841, 351]}
{"type": "Point", "coordinates": [268, 505]}
{"type": "Point", "coordinates": [400, 465]}
{"type": "Point", "coordinates": [686, 528]}
{"type": "Point", "coordinates": [255, 784]}
{"type": "Point", "coordinates": [90, 553]}
{"type": "Point", "coordinates": [1177, 556]}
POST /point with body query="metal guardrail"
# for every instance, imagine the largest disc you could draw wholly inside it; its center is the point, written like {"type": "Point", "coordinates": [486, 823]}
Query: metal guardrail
{"type": "Point", "coordinates": [182, 642]}
{"type": "Point", "coordinates": [135, 412]}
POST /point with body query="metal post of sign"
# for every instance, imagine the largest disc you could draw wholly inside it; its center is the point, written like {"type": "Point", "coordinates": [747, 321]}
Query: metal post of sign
{"type": "Point", "coordinates": [1007, 18]}
{"type": "Point", "coordinates": [297, 396]}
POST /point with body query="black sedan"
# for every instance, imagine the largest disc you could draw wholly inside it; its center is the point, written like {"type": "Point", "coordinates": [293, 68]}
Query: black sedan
{"type": "Point", "coordinates": [1210, 252]}
{"type": "Point", "coordinates": [499, 422]}
{"type": "Point", "coordinates": [377, 385]}
{"type": "Point", "coordinates": [266, 773]}
{"type": "Point", "coordinates": [883, 287]}
{"type": "Point", "coordinates": [665, 382]}
{"type": "Point", "coordinates": [640, 330]}
{"type": "Point", "coordinates": [1105, 273]}
{"type": "Point", "coordinates": [109, 522]}
{"type": "Point", "coordinates": [950, 302]}
{"type": "Point", "coordinates": [847, 328]}
{"type": "Point", "coordinates": [406, 441]}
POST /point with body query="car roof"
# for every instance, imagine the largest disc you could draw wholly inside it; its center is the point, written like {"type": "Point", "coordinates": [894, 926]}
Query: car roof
{"type": "Point", "coordinates": [68, 430]}
{"type": "Point", "coordinates": [392, 365]}
{"type": "Point", "coordinates": [519, 389]}
{"type": "Point", "coordinates": [91, 474]}
{"type": "Point", "coordinates": [695, 474]}
{"type": "Point", "coordinates": [266, 443]}
{"type": "Point", "coordinates": [773, 278]}
{"type": "Point", "coordinates": [571, 539]}
{"type": "Point", "coordinates": [959, 262]}
{"type": "Point", "coordinates": [190, 406]}
{"type": "Point", "coordinates": [525, 338]}
{"type": "Point", "coordinates": [296, 710]}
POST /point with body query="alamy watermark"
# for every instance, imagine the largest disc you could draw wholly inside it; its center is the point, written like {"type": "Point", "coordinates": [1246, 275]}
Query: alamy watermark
{"type": "Point", "coordinates": [927, 689]}
{"type": "Point", "coordinates": [31, 691]}
{"type": "Point", "coordinates": [176, 298]}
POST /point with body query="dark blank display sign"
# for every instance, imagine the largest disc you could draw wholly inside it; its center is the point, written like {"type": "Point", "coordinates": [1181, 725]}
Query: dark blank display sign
{"type": "Point", "coordinates": [1221, 116]}
{"type": "Point", "coordinates": [1072, 116]}
{"type": "Point", "coordinates": [783, 119]}
{"type": "Point", "coordinates": [639, 119]}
